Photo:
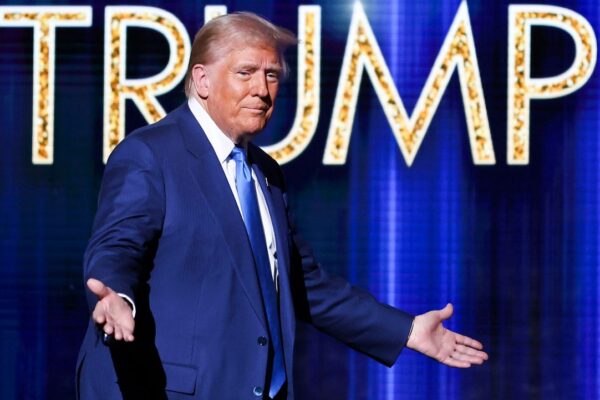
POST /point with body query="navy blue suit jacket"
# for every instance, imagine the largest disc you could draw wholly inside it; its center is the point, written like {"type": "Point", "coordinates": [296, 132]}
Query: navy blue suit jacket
{"type": "Point", "coordinates": [168, 233]}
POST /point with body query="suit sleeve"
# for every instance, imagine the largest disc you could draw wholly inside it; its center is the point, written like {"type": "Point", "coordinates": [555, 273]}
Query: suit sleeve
{"type": "Point", "coordinates": [128, 221]}
{"type": "Point", "coordinates": [343, 311]}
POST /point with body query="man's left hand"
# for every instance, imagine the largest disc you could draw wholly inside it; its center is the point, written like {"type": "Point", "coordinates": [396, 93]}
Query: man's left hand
{"type": "Point", "coordinates": [431, 338]}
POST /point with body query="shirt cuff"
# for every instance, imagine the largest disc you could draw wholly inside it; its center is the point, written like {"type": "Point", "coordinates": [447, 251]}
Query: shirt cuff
{"type": "Point", "coordinates": [130, 302]}
{"type": "Point", "coordinates": [412, 325]}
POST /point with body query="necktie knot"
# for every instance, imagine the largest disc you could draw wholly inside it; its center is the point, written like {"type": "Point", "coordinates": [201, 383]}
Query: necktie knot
{"type": "Point", "coordinates": [242, 168]}
{"type": "Point", "coordinates": [238, 154]}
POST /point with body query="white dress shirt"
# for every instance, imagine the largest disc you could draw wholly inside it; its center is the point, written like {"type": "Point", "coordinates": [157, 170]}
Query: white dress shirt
{"type": "Point", "coordinates": [223, 146]}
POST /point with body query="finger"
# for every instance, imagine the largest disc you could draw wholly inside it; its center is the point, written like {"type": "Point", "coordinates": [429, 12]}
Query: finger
{"type": "Point", "coordinates": [98, 288]}
{"type": "Point", "coordinates": [456, 363]}
{"type": "Point", "coordinates": [467, 358]}
{"type": "Point", "coordinates": [109, 328]}
{"type": "Point", "coordinates": [118, 333]}
{"type": "Point", "coordinates": [98, 315]}
{"type": "Point", "coordinates": [127, 331]}
{"type": "Point", "coordinates": [446, 312]}
{"type": "Point", "coordinates": [99, 319]}
{"type": "Point", "coordinates": [471, 352]}
{"type": "Point", "coordinates": [467, 341]}
{"type": "Point", "coordinates": [129, 338]}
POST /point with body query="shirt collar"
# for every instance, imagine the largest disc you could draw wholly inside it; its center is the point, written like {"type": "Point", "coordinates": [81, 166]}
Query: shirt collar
{"type": "Point", "coordinates": [221, 144]}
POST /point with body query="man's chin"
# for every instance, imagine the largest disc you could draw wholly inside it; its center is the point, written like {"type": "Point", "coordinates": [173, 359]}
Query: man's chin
{"type": "Point", "coordinates": [251, 132]}
{"type": "Point", "coordinates": [254, 129]}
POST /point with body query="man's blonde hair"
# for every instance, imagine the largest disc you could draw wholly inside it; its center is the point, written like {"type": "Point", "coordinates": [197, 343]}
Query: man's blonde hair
{"type": "Point", "coordinates": [228, 32]}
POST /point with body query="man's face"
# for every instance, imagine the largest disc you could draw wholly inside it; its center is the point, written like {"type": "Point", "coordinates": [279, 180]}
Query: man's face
{"type": "Point", "coordinates": [241, 91]}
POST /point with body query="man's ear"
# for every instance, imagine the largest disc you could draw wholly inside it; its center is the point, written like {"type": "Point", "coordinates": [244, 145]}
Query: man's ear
{"type": "Point", "coordinates": [200, 80]}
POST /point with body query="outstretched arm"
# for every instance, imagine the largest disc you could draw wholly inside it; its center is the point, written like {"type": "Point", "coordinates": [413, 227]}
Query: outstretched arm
{"type": "Point", "coordinates": [126, 227]}
{"type": "Point", "coordinates": [430, 337]}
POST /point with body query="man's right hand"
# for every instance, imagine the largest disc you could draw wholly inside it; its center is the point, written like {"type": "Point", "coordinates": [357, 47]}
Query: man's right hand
{"type": "Point", "coordinates": [112, 312]}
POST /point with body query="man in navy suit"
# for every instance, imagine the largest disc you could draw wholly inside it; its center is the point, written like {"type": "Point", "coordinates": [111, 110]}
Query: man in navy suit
{"type": "Point", "coordinates": [195, 273]}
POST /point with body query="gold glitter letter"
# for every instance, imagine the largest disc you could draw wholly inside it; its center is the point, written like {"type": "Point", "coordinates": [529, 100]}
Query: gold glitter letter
{"type": "Point", "coordinates": [44, 20]}
{"type": "Point", "coordinates": [117, 88]}
{"type": "Point", "coordinates": [362, 51]}
{"type": "Point", "coordinates": [308, 95]}
{"type": "Point", "coordinates": [522, 87]}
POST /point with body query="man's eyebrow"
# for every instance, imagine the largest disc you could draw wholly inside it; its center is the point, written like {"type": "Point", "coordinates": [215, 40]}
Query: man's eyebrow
{"type": "Point", "coordinates": [247, 66]}
{"type": "Point", "coordinates": [254, 66]}
{"type": "Point", "coordinates": [274, 68]}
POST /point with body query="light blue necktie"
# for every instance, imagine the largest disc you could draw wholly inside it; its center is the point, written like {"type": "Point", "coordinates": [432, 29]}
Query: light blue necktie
{"type": "Point", "coordinates": [250, 210]}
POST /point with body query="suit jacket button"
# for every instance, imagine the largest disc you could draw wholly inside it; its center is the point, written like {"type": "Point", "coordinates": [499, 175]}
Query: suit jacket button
{"type": "Point", "coordinates": [258, 391]}
{"type": "Point", "coordinates": [262, 341]}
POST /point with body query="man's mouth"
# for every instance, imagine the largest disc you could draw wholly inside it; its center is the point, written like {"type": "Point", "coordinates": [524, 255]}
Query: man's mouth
{"type": "Point", "coordinates": [258, 110]}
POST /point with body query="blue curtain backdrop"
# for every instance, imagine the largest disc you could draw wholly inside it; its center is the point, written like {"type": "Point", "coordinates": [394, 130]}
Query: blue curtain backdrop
{"type": "Point", "coordinates": [514, 248]}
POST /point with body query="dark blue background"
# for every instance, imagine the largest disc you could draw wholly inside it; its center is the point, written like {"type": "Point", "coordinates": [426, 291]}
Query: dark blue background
{"type": "Point", "coordinates": [515, 248]}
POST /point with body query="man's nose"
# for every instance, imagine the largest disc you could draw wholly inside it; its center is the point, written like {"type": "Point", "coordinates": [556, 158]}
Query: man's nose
{"type": "Point", "coordinates": [260, 87]}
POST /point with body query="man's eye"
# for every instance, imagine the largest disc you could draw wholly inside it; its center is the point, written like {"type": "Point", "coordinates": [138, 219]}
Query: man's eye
{"type": "Point", "coordinates": [243, 73]}
{"type": "Point", "coordinates": [273, 76]}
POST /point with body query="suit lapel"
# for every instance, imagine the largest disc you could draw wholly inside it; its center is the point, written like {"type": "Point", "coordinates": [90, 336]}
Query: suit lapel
{"type": "Point", "coordinates": [210, 177]}
{"type": "Point", "coordinates": [277, 210]}
{"type": "Point", "coordinates": [278, 215]}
